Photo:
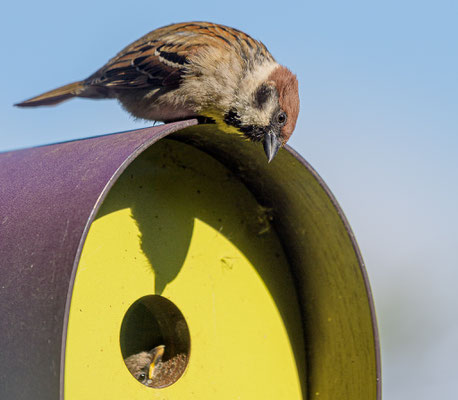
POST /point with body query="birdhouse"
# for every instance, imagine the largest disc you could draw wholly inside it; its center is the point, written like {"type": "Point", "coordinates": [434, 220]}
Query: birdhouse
{"type": "Point", "coordinates": [244, 274]}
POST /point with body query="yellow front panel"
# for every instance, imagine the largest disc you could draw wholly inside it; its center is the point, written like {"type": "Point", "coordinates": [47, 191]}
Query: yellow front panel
{"type": "Point", "coordinates": [178, 224]}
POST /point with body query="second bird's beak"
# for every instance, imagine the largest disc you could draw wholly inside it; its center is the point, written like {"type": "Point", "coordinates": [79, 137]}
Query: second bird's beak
{"type": "Point", "coordinates": [271, 145]}
{"type": "Point", "coordinates": [158, 352]}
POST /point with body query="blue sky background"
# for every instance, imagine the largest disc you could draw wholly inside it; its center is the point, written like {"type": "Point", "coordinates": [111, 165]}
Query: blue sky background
{"type": "Point", "coordinates": [379, 121]}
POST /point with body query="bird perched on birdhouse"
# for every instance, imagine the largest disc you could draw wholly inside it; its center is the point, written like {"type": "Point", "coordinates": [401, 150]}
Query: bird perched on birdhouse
{"type": "Point", "coordinates": [197, 69]}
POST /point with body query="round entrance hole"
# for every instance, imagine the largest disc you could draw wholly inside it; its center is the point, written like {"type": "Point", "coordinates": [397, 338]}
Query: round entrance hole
{"type": "Point", "coordinates": [155, 341]}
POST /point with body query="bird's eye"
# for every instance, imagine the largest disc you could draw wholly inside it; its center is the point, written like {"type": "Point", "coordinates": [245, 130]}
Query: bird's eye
{"type": "Point", "coordinates": [281, 118]}
{"type": "Point", "coordinates": [142, 377]}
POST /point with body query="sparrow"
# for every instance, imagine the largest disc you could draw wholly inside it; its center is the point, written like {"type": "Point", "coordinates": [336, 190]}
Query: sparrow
{"type": "Point", "coordinates": [145, 365]}
{"type": "Point", "coordinates": [197, 70]}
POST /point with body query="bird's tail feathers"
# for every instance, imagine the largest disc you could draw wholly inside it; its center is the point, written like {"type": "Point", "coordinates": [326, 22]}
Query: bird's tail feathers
{"type": "Point", "coordinates": [55, 96]}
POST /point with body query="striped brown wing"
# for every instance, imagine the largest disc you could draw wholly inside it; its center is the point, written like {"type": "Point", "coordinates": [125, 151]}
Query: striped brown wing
{"type": "Point", "coordinates": [147, 65]}
{"type": "Point", "coordinates": [159, 59]}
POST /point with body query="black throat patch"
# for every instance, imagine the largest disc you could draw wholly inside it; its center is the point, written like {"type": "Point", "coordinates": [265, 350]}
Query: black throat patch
{"type": "Point", "coordinates": [252, 132]}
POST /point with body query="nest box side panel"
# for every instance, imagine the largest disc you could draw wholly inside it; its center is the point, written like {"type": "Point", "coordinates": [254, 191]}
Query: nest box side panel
{"type": "Point", "coordinates": [178, 224]}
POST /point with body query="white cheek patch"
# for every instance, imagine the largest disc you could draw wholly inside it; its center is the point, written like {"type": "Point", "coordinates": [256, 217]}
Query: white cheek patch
{"type": "Point", "coordinates": [251, 113]}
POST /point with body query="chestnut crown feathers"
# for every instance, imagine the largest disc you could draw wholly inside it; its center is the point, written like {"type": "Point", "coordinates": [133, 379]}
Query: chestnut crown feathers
{"type": "Point", "coordinates": [288, 93]}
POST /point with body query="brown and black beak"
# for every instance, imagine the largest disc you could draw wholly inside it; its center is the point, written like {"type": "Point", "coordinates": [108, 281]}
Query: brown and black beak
{"type": "Point", "coordinates": [272, 144]}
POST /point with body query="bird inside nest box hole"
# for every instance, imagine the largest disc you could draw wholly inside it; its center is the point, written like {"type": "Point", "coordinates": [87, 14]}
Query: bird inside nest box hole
{"type": "Point", "coordinates": [150, 320]}
{"type": "Point", "coordinates": [144, 366]}
{"type": "Point", "coordinates": [197, 70]}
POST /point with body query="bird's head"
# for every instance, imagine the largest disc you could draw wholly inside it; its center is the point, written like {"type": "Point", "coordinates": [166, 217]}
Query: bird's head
{"type": "Point", "coordinates": [144, 365]}
{"type": "Point", "coordinates": [268, 111]}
